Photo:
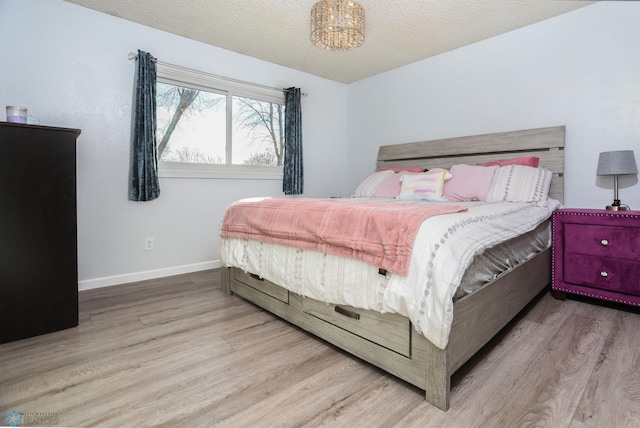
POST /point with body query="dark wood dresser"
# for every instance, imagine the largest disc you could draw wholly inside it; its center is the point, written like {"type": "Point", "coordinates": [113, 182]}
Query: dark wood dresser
{"type": "Point", "coordinates": [38, 234]}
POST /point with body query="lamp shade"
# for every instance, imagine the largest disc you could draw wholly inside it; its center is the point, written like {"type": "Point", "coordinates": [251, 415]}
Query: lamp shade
{"type": "Point", "coordinates": [618, 162]}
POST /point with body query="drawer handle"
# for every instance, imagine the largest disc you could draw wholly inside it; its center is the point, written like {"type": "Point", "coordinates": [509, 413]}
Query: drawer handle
{"type": "Point", "coordinates": [604, 274]}
{"type": "Point", "coordinates": [604, 242]}
{"type": "Point", "coordinates": [258, 277]}
{"type": "Point", "coordinates": [347, 313]}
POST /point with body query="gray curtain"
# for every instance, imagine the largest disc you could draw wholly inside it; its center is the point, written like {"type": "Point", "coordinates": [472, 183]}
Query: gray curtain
{"type": "Point", "coordinates": [144, 184]}
{"type": "Point", "coordinates": [293, 180]}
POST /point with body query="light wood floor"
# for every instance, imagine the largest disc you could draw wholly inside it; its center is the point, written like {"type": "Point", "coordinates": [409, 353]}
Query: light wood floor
{"type": "Point", "coordinates": [180, 352]}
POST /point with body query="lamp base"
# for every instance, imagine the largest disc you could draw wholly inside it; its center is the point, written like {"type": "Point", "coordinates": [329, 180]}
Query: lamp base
{"type": "Point", "coordinates": [617, 206]}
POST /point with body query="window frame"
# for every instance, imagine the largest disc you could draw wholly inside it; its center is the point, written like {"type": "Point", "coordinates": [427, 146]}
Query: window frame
{"type": "Point", "coordinates": [181, 76]}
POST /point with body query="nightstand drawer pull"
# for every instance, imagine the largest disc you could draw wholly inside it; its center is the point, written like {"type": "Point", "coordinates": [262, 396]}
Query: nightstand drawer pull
{"type": "Point", "coordinates": [604, 242]}
{"type": "Point", "coordinates": [604, 274]}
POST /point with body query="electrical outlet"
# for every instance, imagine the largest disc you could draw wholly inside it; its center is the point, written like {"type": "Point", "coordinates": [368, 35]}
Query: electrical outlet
{"type": "Point", "coordinates": [148, 244]}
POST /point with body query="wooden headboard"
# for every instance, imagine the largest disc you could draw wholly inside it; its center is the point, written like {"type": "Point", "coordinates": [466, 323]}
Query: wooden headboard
{"type": "Point", "coordinates": [545, 143]}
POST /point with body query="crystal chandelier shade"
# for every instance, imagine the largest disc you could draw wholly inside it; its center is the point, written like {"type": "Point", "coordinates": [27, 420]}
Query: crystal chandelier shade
{"type": "Point", "coordinates": [337, 25]}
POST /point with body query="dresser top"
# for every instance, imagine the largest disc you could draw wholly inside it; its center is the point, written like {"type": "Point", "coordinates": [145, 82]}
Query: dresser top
{"type": "Point", "coordinates": [51, 128]}
{"type": "Point", "coordinates": [592, 213]}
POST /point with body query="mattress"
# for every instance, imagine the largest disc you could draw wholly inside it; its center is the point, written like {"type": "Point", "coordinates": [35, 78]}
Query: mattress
{"type": "Point", "coordinates": [445, 247]}
{"type": "Point", "coordinates": [488, 264]}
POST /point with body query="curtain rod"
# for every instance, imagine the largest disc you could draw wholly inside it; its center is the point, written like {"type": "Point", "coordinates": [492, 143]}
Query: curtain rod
{"type": "Point", "coordinates": [134, 56]}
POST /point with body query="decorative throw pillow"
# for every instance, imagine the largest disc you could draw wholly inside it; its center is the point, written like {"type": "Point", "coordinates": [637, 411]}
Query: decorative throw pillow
{"type": "Point", "coordinates": [517, 183]}
{"type": "Point", "coordinates": [469, 183]}
{"type": "Point", "coordinates": [531, 161]}
{"type": "Point", "coordinates": [370, 184]}
{"type": "Point", "coordinates": [422, 187]}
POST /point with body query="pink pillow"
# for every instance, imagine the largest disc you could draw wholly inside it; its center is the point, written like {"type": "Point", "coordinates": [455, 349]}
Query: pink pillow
{"type": "Point", "coordinates": [524, 161]}
{"type": "Point", "coordinates": [371, 183]}
{"type": "Point", "coordinates": [401, 169]}
{"type": "Point", "coordinates": [469, 183]}
{"type": "Point", "coordinates": [447, 175]}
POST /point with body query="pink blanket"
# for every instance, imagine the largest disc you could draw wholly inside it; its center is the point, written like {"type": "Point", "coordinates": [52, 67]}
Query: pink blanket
{"type": "Point", "coordinates": [379, 233]}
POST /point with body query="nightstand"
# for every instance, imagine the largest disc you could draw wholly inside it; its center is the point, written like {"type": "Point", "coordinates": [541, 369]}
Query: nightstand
{"type": "Point", "coordinates": [596, 253]}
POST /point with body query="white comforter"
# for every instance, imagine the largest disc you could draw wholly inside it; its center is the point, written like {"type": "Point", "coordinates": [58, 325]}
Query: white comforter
{"type": "Point", "coordinates": [444, 247]}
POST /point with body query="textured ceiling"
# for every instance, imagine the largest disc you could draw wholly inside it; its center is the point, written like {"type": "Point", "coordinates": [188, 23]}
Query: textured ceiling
{"type": "Point", "coordinates": [397, 32]}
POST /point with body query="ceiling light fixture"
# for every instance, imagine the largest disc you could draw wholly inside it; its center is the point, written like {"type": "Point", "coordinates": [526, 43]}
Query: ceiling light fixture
{"type": "Point", "coordinates": [337, 25]}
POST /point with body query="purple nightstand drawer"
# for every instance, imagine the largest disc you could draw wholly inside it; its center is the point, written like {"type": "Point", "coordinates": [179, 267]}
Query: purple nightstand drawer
{"type": "Point", "coordinates": [606, 241]}
{"type": "Point", "coordinates": [599, 272]}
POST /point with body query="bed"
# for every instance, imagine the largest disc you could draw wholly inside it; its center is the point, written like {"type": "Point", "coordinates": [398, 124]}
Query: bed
{"type": "Point", "coordinates": [391, 341]}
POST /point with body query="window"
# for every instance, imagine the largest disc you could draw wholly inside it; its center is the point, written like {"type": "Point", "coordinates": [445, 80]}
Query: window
{"type": "Point", "coordinates": [209, 126]}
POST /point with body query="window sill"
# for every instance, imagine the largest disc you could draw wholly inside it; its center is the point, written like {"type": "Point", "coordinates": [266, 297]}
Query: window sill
{"type": "Point", "coordinates": [192, 170]}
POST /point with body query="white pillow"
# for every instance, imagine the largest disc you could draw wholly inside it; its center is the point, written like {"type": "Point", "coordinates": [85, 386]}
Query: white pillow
{"type": "Point", "coordinates": [517, 183]}
{"type": "Point", "coordinates": [370, 184]}
{"type": "Point", "coordinates": [422, 187]}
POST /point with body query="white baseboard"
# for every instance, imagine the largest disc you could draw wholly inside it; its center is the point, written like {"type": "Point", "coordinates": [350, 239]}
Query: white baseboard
{"type": "Point", "coordinates": [108, 281]}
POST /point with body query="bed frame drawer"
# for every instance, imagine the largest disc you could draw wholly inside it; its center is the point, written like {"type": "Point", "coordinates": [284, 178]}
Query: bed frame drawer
{"type": "Point", "coordinates": [262, 285]}
{"type": "Point", "coordinates": [391, 331]}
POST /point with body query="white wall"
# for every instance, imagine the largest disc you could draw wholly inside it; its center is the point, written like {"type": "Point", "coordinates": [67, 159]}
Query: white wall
{"type": "Point", "coordinates": [581, 69]}
{"type": "Point", "coordinates": [69, 65]}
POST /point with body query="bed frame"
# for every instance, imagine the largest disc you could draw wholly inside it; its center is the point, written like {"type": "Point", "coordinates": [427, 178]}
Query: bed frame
{"type": "Point", "coordinates": [389, 341]}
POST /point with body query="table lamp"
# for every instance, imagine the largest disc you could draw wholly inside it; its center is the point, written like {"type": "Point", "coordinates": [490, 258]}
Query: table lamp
{"type": "Point", "coordinates": [619, 162]}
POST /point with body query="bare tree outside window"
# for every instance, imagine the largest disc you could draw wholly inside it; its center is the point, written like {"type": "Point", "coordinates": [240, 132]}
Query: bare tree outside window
{"type": "Point", "coordinates": [265, 123]}
{"type": "Point", "coordinates": [192, 128]}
